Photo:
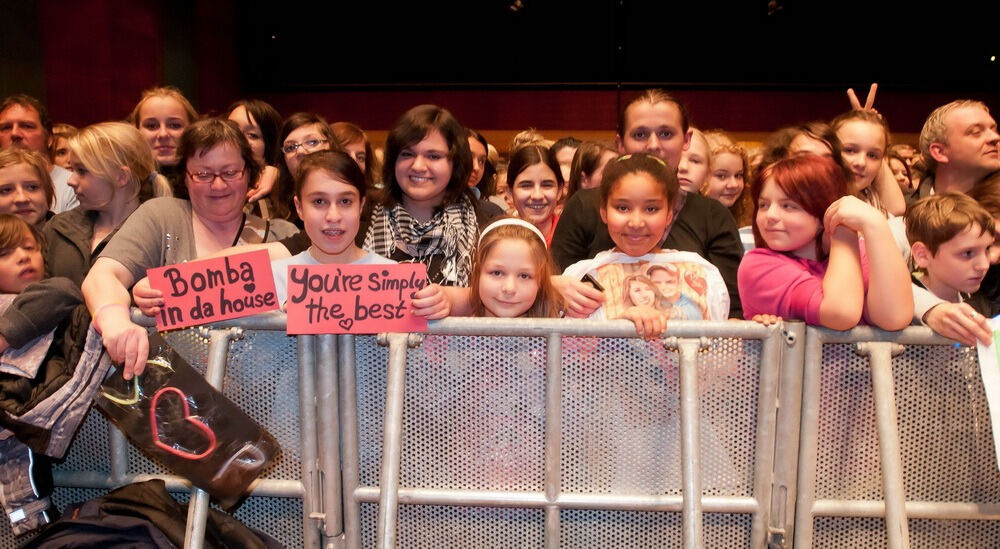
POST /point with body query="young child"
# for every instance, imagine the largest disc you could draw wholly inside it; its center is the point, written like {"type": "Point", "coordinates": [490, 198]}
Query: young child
{"type": "Point", "coordinates": [512, 276]}
{"type": "Point", "coordinates": [637, 193]}
{"type": "Point", "coordinates": [727, 172]}
{"type": "Point", "coordinates": [864, 140]}
{"type": "Point", "coordinates": [20, 254]}
{"type": "Point", "coordinates": [950, 236]}
{"type": "Point", "coordinates": [329, 196]}
{"type": "Point", "coordinates": [25, 185]}
{"type": "Point", "coordinates": [809, 264]}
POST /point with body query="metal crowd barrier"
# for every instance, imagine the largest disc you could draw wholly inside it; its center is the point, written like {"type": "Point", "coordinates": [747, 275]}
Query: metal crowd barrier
{"type": "Point", "coordinates": [254, 362]}
{"type": "Point", "coordinates": [897, 447]}
{"type": "Point", "coordinates": [560, 433]}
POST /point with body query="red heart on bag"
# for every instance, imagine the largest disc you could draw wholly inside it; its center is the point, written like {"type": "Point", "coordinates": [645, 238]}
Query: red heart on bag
{"type": "Point", "coordinates": [199, 424]}
{"type": "Point", "coordinates": [695, 282]}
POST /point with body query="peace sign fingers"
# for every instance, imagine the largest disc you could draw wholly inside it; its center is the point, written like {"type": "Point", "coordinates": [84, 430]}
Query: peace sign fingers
{"type": "Point", "coordinates": [869, 101]}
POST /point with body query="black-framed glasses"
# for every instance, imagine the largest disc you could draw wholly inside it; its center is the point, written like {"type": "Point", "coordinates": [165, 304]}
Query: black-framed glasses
{"type": "Point", "coordinates": [307, 145]}
{"type": "Point", "coordinates": [229, 176]}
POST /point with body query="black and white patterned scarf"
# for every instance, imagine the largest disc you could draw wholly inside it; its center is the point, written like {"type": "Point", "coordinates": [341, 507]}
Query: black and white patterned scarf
{"type": "Point", "coordinates": [451, 235]}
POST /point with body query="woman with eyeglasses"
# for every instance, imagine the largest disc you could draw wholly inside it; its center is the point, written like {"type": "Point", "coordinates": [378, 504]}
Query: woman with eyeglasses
{"type": "Point", "coordinates": [301, 134]}
{"type": "Point", "coordinates": [217, 162]}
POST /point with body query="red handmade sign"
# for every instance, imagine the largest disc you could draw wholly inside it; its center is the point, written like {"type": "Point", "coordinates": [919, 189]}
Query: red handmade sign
{"type": "Point", "coordinates": [209, 290]}
{"type": "Point", "coordinates": [353, 299]}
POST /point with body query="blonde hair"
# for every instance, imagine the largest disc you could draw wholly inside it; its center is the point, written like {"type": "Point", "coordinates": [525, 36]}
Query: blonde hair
{"type": "Point", "coordinates": [163, 91]}
{"type": "Point", "coordinates": [547, 301]}
{"type": "Point", "coordinates": [527, 137]}
{"type": "Point", "coordinates": [16, 155]}
{"type": "Point", "coordinates": [720, 143]}
{"type": "Point", "coordinates": [105, 148]}
{"type": "Point", "coordinates": [935, 129]}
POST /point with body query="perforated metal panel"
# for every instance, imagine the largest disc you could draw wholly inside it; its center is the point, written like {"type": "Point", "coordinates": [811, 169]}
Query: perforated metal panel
{"type": "Point", "coordinates": [621, 417]}
{"type": "Point", "coordinates": [847, 462]}
{"type": "Point", "coordinates": [474, 418]}
{"type": "Point", "coordinates": [371, 362]}
{"type": "Point", "coordinates": [946, 439]}
{"type": "Point", "coordinates": [474, 414]}
{"type": "Point", "coordinates": [625, 530]}
{"type": "Point", "coordinates": [262, 379]}
{"type": "Point", "coordinates": [89, 450]}
{"type": "Point", "coordinates": [643, 530]}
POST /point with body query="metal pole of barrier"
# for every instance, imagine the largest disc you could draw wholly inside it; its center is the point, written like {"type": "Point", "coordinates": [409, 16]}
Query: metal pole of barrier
{"type": "Point", "coordinates": [392, 441]}
{"type": "Point", "coordinates": [914, 509]}
{"type": "Point", "coordinates": [118, 447]}
{"type": "Point", "coordinates": [215, 371]}
{"type": "Point", "coordinates": [566, 500]}
{"type": "Point", "coordinates": [328, 416]}
{"type": "Point", "coordinates": [884, 393]}
{"type": "Point", "coordinates": [783, 482]}
{"type": "Point", "coordinates": [690, 441]}
{"type": "Point", "coordinates": [553, 435]}
{"type": "Point", "coordinates": [349, 432]}
{"type": "Point", "coordinates": [809, 439]}
{"type": "Point", "coordinates": [767, 404]}
{"type": "Point", "coordinates": [307, 426]}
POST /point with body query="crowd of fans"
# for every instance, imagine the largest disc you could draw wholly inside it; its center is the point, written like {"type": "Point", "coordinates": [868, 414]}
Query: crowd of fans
{"type": "Point", "coordinates": [830, 223]}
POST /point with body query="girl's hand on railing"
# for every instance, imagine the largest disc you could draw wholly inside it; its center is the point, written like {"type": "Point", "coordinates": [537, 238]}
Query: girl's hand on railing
{"type": "Point", "coordinates": [650, 323]}
{"type": "Point", "coordinates": [766, 320]}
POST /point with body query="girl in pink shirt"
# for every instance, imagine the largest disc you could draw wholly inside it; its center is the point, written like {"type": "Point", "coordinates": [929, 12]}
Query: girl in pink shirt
{"type": "Point", "coordinates": [809, 263]}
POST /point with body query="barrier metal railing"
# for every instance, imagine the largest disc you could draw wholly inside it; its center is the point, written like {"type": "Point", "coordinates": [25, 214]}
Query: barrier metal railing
{"type": "Point", "coordinates": [895, 428]}
{"type": "Point", "coordinates": [252, 361]}
{"type": "Point", "coordinates": [571, 433]}
{"type": "Point", "coordinates": [596, 421]}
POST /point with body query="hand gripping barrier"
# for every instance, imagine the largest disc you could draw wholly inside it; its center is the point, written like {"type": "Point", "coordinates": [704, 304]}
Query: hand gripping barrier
{"type": "Point", "coordinates": [560, 433]}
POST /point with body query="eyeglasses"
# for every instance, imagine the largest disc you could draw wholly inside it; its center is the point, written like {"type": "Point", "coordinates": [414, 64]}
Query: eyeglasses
{"type": "Point", "coordinates": [229, 176]}
{"type": "Point", "coordinates": [308, 145]}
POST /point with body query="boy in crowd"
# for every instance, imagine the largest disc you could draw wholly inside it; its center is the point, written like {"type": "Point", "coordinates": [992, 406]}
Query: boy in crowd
{"type": "Point", "coordinates": [950, 237]}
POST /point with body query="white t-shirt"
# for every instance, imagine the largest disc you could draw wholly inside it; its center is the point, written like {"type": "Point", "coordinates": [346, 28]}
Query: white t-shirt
{"type": "Point", "coordinates": [280, 269]}
{"type": "Point", "coordinates": [65, 196]}
{"type": "Point", "coordinates": [682, 284]}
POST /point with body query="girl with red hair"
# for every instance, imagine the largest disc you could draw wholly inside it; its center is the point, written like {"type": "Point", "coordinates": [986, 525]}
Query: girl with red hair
{"type": "Point", "coordinates": [810, 262]}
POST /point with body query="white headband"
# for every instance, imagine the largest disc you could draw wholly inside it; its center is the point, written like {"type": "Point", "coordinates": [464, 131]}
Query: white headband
{"type": "Point", "coordinates": [513, 221]}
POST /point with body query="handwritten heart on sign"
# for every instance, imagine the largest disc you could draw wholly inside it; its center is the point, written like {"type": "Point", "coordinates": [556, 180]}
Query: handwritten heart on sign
{"type": "Point", "coordinates": [249, 287]}
{"type": "Point", "coordinates": [346, 323]}
{"type": "Point", "coordinates": [196, 422]}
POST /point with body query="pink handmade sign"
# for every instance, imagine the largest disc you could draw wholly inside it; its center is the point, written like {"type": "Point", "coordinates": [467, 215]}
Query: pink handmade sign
{"type": "Point", "coordinates": [353, 299]}
{"type": "Point", "coordinates": [209, 290]}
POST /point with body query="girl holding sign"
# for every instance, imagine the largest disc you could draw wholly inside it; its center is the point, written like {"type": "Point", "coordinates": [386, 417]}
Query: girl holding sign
{"type": "Point", "coordinates": [330, 191]}
{"type": "Point", "coordinates": [329, 195]}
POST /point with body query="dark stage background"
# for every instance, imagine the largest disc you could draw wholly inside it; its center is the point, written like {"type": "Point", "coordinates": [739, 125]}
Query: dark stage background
{"type": "Point", "coordinates": [504, 65]}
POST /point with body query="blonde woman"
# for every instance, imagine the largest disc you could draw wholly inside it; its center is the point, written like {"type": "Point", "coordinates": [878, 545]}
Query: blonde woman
{"type": "Point", "coordinates": [113, 171]}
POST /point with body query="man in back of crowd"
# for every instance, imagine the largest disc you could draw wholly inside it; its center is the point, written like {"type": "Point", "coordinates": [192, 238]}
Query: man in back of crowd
{"type": "Point", "coordinates": [25, 122]}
